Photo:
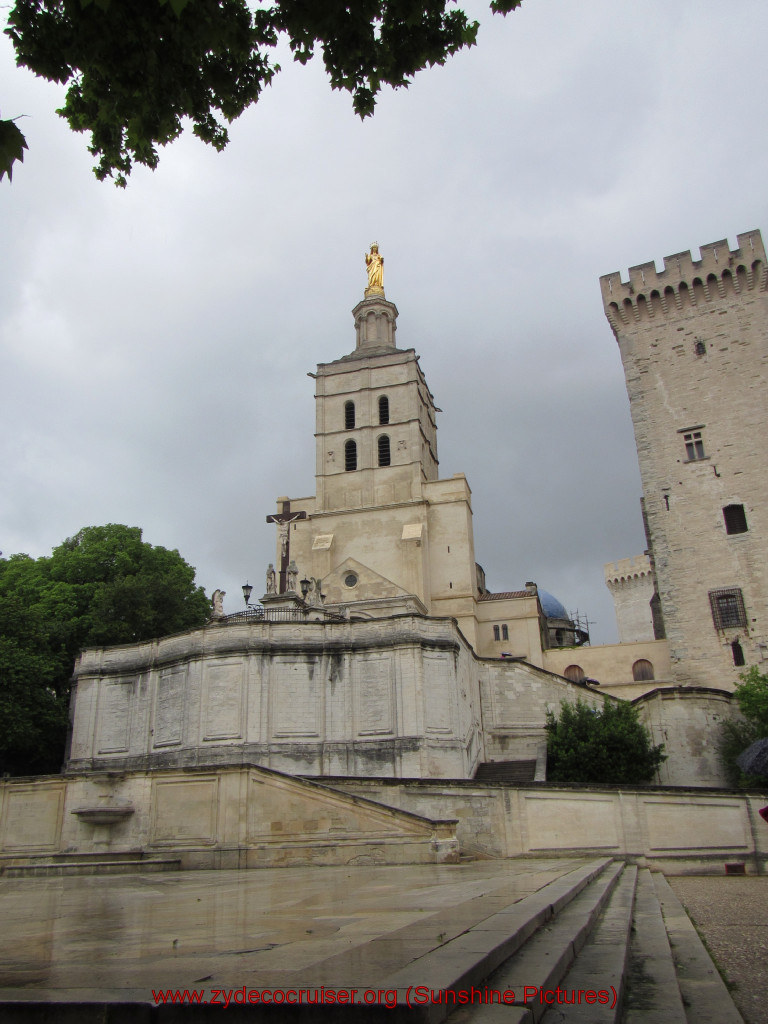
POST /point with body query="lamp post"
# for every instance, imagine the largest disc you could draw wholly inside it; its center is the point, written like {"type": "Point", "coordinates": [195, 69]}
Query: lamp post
{"type": "Point", "coordinates": [247, 590]}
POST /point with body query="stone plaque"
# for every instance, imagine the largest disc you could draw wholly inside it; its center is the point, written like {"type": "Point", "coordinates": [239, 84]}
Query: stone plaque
{"type": "Point", "coordinates": [169, 706]}
{"type": "Point", "coordinates": [32, 817]}
{"type": "Point", "coordinates": [297, 696]}
{"type": "Point", "coordinates": [562, 823]}
{"type": "Point", "coordinates": [115, 702]}
{"type": "Point", "coordinates": [184, 811]}
{"type": "Point", "coordinates": [374, 696]}
{"type": "Point", "coordinates": [223, 699]}
{"type": "Point", "coordinates": [697, 824]}
{"type": "Point", "coordinates": [438, 692]}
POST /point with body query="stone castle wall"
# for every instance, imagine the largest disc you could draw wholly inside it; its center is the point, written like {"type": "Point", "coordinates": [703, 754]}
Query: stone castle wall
{"type": "Point", "coordinates": [694, 343]}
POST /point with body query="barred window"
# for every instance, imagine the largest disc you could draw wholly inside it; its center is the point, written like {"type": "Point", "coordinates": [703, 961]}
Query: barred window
{"type": "Point", "coordinates": [349, 415]}
{"type": "Point", "coordinates": [728, 608]}
{"type": "Point", "coordinates": [350, 456]}
{"type": "Point", "coordinates": [383, 409]}
{"type": "Point", "coordinates": [496, 633]}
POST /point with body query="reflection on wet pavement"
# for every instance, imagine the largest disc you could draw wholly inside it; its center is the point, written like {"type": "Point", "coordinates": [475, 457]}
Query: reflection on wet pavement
{"type": "Point", "coordinates": [120, 936]}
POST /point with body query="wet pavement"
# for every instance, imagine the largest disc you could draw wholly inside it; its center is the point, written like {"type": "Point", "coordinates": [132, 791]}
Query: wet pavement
{"type": "Point", "coordinates": [118, 937]}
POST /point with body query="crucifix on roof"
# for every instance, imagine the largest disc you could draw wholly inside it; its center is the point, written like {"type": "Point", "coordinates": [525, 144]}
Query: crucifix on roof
{"type": "Point", "coordinates": [284, 520]}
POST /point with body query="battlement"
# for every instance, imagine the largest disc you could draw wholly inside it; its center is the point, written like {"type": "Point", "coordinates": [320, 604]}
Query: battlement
{"type": "Point", "coordinates": [685, 282]}
{"type": "Point", "coordinates": [627, 569]}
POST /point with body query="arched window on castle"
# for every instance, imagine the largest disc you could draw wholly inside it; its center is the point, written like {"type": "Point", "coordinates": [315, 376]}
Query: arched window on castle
{"type": "Point", "coordinates": [575, 673]}
{"type": "Point", "coordinates": [384, 451]}
{"type": "Point", "coordinates": [383, 409]}
{"type": "Point", "coordinates": [642, 670]}
{"type": "Point", "coordinates": [350, 456]}
{"type": "Point", "coordinates": [349, 415]}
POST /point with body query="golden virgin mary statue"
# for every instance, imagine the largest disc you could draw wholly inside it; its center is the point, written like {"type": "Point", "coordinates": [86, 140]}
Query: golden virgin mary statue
{"type": "Point", "coordinates": [374, 261]}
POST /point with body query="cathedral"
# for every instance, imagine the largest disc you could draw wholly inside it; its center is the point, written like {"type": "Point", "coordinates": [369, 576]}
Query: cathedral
{"type": "Point", "coordinates": [378, 704]}
{"type": "Point", "coordinates": [376, 649]}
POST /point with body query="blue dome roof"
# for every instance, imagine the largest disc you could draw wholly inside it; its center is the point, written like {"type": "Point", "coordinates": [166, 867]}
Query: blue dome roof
{"type": "Point", "coordinates": [551, 606]}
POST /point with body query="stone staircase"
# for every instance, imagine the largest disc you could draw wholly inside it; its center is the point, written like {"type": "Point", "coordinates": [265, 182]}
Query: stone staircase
{"type": "Point", "coordinates": [607, 942]}
{"type": "Point", "coordinates": [510, 773]}
{"type": "Point", "coordinates": [86, 864]}
{"type": "Point", "coordinates": [617, 947]}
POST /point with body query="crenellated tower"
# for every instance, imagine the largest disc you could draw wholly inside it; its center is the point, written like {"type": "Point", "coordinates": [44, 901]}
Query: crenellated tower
{"type": "Point", "coordinates": [693, 339]}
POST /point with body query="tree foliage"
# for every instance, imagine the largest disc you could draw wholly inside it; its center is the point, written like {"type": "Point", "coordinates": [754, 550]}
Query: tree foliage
{"type": "Point", "coordinates": [607, 745]}
{"type": "Point", "coordinates": [739, 733]}
{"type": "Point", "coordinates": [137, 68]}
{"type": "Point", "coordinates": [103, 586]}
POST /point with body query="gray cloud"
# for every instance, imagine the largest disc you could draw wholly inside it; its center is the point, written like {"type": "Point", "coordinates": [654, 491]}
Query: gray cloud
{"type": "Point", "coordinates": [154, 343]}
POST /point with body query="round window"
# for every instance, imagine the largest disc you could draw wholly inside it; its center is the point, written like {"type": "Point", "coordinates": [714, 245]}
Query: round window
{"type": "Point", "coordinates": [350, 580]}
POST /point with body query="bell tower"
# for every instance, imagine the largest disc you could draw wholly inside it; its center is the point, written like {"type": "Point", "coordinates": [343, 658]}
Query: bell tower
{"type": "Point", "coordinates": [376, 432]}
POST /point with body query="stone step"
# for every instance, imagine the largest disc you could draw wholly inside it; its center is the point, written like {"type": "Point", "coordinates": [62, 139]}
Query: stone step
{"type": "Point", "coordinates": [537, 971]}
{"type": "Point", "coordinates": [652, 992]}
{"type": "Point", "coordinates": [705, 996]}
{"type": "Point", "coordinates": [90, 865]}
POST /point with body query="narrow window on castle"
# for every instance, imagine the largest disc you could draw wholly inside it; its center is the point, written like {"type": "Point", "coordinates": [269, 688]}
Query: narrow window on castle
{"type": "Point", "coordinates": [642, 670]}
{"type": "Point", "coordinates": [737, 653]}
{"type": "Point", "coordinates": [694, 445]}
{"type": "Point", "coordinates": [496, 633]}
{"type": "Point", "coordinates": [504, 632]}
{"type": "Point", "coordinates": [735, 519]}
{"type": "Point", "coordinates": [349, 415]}
{"type": "Point", "coordinates": [700, 348]}
{"type": "Point", "coordinates": [350, 456]}
{"type": "Point", "coordinates": [383, 409]}
{"type": "Point", "coordinates": [728, 610]}
{"type": "Point", "coordinates": [384, 451]}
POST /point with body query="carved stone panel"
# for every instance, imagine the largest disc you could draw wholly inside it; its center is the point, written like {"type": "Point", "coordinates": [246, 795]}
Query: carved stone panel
{"type": "Point", "coordinates": [374, 696]}
{"type": "Point", "coordinates": [296, 696]}
{"type": "Point", "coordinates": [439, 692]}
{"type": "Point", "coordinates": [114, 722]}
{"type": "Point", "coordinates": [223, 699]}
{"type": "Point", "coordinates": [184, 811]}
{"type": "Point", "coordinates": [169, 706]}
{"type": "Point", "coordinates": [32, 817]}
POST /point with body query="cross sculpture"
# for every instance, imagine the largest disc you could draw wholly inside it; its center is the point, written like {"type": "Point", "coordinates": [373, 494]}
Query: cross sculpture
{"type": "Point", "coordinates": [283, 520]}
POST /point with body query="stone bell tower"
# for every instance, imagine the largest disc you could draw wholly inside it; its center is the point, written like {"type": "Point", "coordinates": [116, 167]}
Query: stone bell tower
{"type": "Point", "coordinates": [376, 431]}
{"type": "Point", "coordinates": [382, 532]}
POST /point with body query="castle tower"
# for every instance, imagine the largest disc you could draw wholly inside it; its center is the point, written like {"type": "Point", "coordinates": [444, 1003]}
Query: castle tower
{"type": "Point", "coordinates": [694, 344]}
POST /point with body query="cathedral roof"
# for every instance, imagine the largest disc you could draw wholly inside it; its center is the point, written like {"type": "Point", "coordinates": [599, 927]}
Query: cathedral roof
{"type": "Point", "coordinates": [504, 595]}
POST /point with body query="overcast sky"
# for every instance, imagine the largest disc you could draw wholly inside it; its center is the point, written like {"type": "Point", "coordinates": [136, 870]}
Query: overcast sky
{"type": "Point", "coordinates": [154, 342]}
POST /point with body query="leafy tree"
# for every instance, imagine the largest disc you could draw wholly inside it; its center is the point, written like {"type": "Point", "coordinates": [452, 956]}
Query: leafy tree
{"type": "Point", "coordinates": [103, 586]}
{"type": "Point", "coordinates": [136, 68]}
{"type": "Point", "coordinates": [739, 733]}
{"type": "Point", "coordinates": [607, 745]}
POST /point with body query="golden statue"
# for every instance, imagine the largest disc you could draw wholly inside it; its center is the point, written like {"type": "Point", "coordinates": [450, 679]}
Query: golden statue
{"type": "Point", "coordinates": [374, 261]}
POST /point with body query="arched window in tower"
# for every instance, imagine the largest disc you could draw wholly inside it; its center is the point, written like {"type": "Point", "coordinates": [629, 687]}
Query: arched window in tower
{"type": "Point", "coordinates": [384, 451]}
{"type": "Point", "coordinates": [642, 670]}
{"type": "Point", "coordinates": [349, 415]}
{"type": "Point", "coordinates": [383, 409]}
{"type": "Point", "coordinates": [350, 456]}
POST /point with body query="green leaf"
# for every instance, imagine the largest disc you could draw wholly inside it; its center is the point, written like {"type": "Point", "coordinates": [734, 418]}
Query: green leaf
{"type": "Point", "coordinates": [12, 146]}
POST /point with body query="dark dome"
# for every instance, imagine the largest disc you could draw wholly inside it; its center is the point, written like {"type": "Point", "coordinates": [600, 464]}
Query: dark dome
{"type": "Point", "coordinates": [551, 606]}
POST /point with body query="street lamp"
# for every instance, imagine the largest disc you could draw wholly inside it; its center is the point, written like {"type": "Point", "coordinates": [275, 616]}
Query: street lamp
{"type": "Point", "coordinates": [247, 589]}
